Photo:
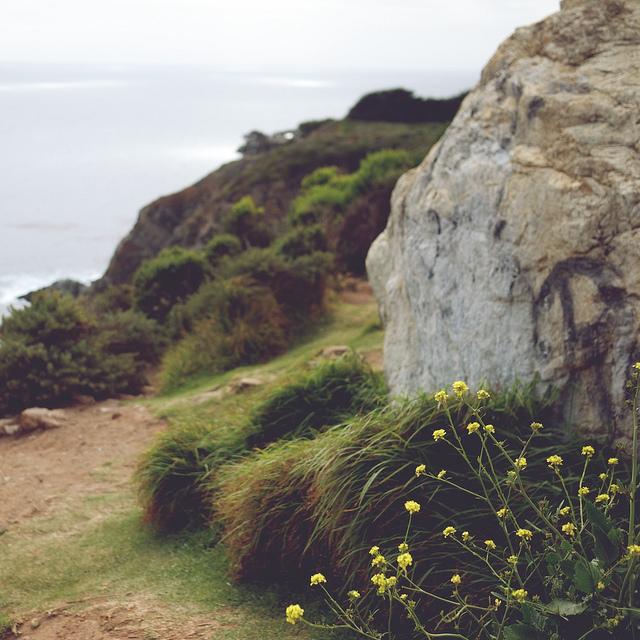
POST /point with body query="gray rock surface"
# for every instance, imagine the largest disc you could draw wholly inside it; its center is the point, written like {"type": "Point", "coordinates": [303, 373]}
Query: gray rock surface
{"type": "Point", "coordinates": [514, 248]}
{"type": "Point", "coordinates": [38, 418]}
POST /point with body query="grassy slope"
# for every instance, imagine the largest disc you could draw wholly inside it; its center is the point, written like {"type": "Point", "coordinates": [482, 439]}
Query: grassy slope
{"type": "Point", "coordinates": [100, 548]}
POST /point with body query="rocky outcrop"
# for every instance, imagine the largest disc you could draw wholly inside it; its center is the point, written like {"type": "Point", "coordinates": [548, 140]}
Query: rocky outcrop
{"type": "Point", "coordinates": [514, 249]}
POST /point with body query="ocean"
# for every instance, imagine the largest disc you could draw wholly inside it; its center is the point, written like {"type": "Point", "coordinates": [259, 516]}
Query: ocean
{"type": "Point", "coordinates": [83, 148]}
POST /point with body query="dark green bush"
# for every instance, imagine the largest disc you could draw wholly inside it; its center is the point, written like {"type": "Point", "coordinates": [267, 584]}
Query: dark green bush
{"type": "Point", "coordinates": [53, 350]}
{"type": "Point", "coordinates": [112, 298]}
{"type": "Point", "coordinates": [244, 324]}
{"type": "Point", "coordinates": [245, 220]}
{"type": "Point", "coordinates": [329, 499]}
{"type": "Point", "coordinates": [331, 393]}
{"type": "Point", "coordinates": [169, 278]}
{"type": "Point", "coordinates": [302, 241]}
{"type": "Point", "coordinates": [320, 176]}
{"type": "Point", "coordinates": [222, 246]}
{"type": "Point", "coordinates": [174, 476]}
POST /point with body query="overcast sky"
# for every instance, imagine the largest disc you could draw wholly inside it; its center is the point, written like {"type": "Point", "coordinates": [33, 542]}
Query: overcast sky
{"type": "Point", "coordinates": [265, 34]}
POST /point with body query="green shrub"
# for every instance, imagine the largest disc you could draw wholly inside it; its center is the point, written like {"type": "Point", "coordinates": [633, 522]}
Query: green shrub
{"type": "Point", "coordinates": [302, 241]}
{"type": "Point", "coordinates": [320, 176]}
{"type": "Point", "coordinates": [331, 393]}
{"type": "Point", "coordinates": [53, 350]}
{"type": "Point", "coordinates": [222, 246]}
{"type": "Point", "coordinates": [245, 220]}
{"type": "Point", "coordinates": [174, 476]}
{"type": "Point", "coordinates": [245, 324]}
{"type": "Point", "coordinates": [111, 299]}
{"type": "Point", "coordinates": [5, 624]}
{"type": "Point", "coordinates": [169, 278]}
{"type": "Point", "coordinates": [348, 486]}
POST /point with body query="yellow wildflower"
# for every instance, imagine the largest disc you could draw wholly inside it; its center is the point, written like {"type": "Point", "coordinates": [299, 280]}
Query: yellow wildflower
{"type": "Point", "coordinates": [402, 547]}
{"type": "Point", "coordinates": [603, 497]}
{"type": "Point", "coordinates": [583, 491]}
{"type": "Point", "coordinates": [483, 395]}
{"type": "Point", "coordinates": [456, 579]}
{"type": "Point", "coordinates": [612, 623]}
{"type": "Point", "coordinates": [317, 578]}
{"type": "Point", "coordinates": [472, 427]}
{"type": "Point", "coordinates": [405, 560]}
{"type": "Point", "coordinates": [489, 428]}
{"type": "Point", "coordinates": [353, 594]}
{"type": "Point", "coordinates": [554, 461]}
{"type": "Point", "coordinates": [564, 511]}
{"type": "Point", "coordinates": [497, 603]}
{"type": "Point", "coordinates": [448, 531]}
{"type": "Point", "coordinates": [511, 476]}
{"type": "Point", "coordinates": [466, 536]}
{"type": "Point", "coordinates": [512, 560]}
{"type": "Point", "coordinates": [412, 506]}
{"type": "Point", "coordinates": [421, 469]}
{"type": "Point", "coordinates": [524, 534]}
{"type": "Point", "coordinates": [460, 388]}
{"type": "Point", "coordinates": [612, 462]}
{"type": "Point", "coordinates": [603, 476]}
{"type": "Point", "coordinates": [379, 561]}
{"type": "Point", "coordinates": [588, 451]}
{"type": "Point", "coordinates": [521, 463]}
{"type": "Point", "coordinates": [490, 544]}
{"type": "Point", "coordinates": [382, 582]}
{"type": "Point", "coordinates": [519, 595]}
{"type": "Point", "coordinates": [536, 426]}
{"type": "Point", "coordinates": [294, 612]}
{"type": "Point", "coordinates": [441, 474]}
{"type": "Point", "coordinates": [600, 586]}
{"type": "Point", "coordinates": [614, 488]}
{"type": "Point", "coordinates": [634, 550]}
{"type": "Point", "coordinates": [374, 551]}
{"type": "Point", "coordinates": [636, 366]}
{"type": "Point", "coordinates": [569, 529]}
{"type": "Point", "coordinates": [502, 513]}
{"type": "Point", "coordinates": [441, 396]}
{"type": "Point", "coordinates": [439, 434]}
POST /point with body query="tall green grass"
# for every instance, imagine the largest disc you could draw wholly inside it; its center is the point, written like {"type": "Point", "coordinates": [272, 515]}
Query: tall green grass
{"type": "Point", "coordinates": [331, 393]}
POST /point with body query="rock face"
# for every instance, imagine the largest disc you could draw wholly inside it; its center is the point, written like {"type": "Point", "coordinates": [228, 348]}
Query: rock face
{"type": "Point", "coordinates": [514, 248]}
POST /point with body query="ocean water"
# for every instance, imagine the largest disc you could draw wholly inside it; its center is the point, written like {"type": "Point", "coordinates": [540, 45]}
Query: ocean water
{"type": "Point", "coordinates": [83, 148]}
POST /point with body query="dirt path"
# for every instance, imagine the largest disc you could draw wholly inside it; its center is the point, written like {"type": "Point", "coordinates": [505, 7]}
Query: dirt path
{"type": "Point", "coordinates": [42, 472]}
{"type": "Point", "coordinates": [47, 472]}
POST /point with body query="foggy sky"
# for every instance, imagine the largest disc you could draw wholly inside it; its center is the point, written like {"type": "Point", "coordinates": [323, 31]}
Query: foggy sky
{"type": "Point", "coordinates": [265, 34]}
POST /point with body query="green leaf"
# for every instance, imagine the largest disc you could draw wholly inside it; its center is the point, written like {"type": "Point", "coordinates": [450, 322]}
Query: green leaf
{"type": "Point", "coordinates": [521, 632]}
{"type": "Point", "coordinates": [597, 517]}
{"type": "Point", "coordinates": [585, 576]}
{"type": "Point", "coordinates": [566, 607]}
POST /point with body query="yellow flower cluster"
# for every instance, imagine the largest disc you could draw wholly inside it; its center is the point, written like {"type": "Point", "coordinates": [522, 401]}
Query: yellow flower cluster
{"type": "Point", "coordinates": [554, 461]}
{"type": "Point", "coordinates": [317, 578]}
{"type": "Point", "coordinates": [490, 544]}
{"type": "Point", "coordinates": [519, 595]}
{"type": "Point", "coordinates": [441, 474]}
{"type": "Point", "coordinates": [472, 427]}
{"type": "Point", "coordinates": [536, 426]}
{"type": "Point", "coordinates": [294, 612]}
{"type": "Point", "coordinates": [583, 491]}
{"type": "Point", "coordinates": [441, 396]}
{"type": "Point", "coordinates": [512, 560]}
{"type": "Point", "coordinates": [614, 488]}
{"type": "Point", "coordinates": [603, 476]}
{"type": "Point", "coordinates": [421, 469]}
{"type": "Point", "coordinates": [378, 561]}
{"type": "Point", "coordinates": [524, 534]}
{"type": "Point", "coordinates": [439, 434]}
{"type": "Point", "coordinates": [634, 550]}
{"type": "Point", "coordinates": [569, 529]}
{"type": "Point", "coordinates": [612, 462]}
{"type": "Point", "coordinates": [402, 547]}
{"type": "Point", "coordinates": [353, 594]}
{"type": "Point", "coordinates": [383, 583]}
{"type": "Point", "coordinates": [460, 388]}
{"type": "Point", "coordinates": [466, 536]}
{"type": "Point", "coordinates": [374, 551]}
{"type": "Point", "coordinates": [483, 395]}
{"type": "Point", "coordinates": [603, 497]}
{"type": "Point", "coordinates": [588, 451]}
{"type": "Point", "coordinates": [412, 506]}
{"type": "Point", "coordinates": [502, 513]}
{"type": "Point", "coordinates": [521, 463]}
{"type": "Point", "coordinates": [489, 428]}
{"type": "Point", "coordinates": [564, 511]}
{"type": "Point", "coordinates": [448, 531]}
{"type": "Point", "coordinates": [405, 560]}
{"type": "Point", "coordinates": [456, 579]}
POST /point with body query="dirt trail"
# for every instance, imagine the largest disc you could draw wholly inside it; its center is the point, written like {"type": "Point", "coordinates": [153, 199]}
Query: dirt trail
{"type": "Point", "coordinates": [46, 472]}
{"type": "Point", "coordinates": [43, 471]}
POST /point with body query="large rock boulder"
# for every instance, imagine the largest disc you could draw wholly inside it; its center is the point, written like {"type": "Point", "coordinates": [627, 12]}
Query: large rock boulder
{"type": "Point", "coordinates": [513, 250]}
